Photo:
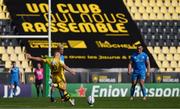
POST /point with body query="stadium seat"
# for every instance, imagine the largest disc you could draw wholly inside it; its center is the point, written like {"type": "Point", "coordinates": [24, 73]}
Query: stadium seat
{"type": "Point", "coordinates": [169, 70]}
{"type": "Point", "coordinates": [1, 2]}
{"type": "Point", "coordinates": [18, 64]}
{"type": "Point", "coordinates": [13, 57]}
{"type": "Point", "coordinates": [173, 64]}
{"type": "Point", "coordinates": [2, 50]}
{"type": "Point", "coordinates": [177, 69]}
{"type": "Point", "coordinates": [178, 49]}
{"type": "Point", "coordinates": [161, 57]}
{"type": "Point", "coordinates": [17, 50]}
{"type": "Point", "coordinates": [176, 56]}
{"type": "Point", "coordinates": [159, 63]}
{"type": "Point", "coordinates": [157, 50]}
{"type": "Point", "coordinates": [8, 64]}
{"type": "Point", "coordinates": [5, 57]}
{"type": "Point", "coordinates": [24, 64]}
{"type": "Point", "coordinates": [172, 50]}
{"type": "Point", "coordinates": [165, 64]}
{"type": "Point", "coordinates": [150, 49]}
{"type": "Point", "coordinates": [165, 50]}
{"type": "Point", "coordinates": [10, 50]}
{"type": "Point", "coordinates": [28, 70]}
{"type": "Point", "coordinates": [21, 57]}
{"type": "Point", "coordinates": [169, 57]}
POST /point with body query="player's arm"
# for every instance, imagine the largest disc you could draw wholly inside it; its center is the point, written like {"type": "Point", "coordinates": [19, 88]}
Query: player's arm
{"type": "Point", "coordinates": [129, 67]}
{"type": "Point", "coordinates": [34, 58]}
{"type": "Point", "coordinates": [68, 69]}
{"type": "Point", "coordinates": [148, 68]}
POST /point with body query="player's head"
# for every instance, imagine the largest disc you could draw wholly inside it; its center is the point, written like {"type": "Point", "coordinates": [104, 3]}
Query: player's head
{"type": "Point", "coordinates": [139, 48]}
{"type": "Point", "coordinates": [57, 54]}
{"type": "Point", "coordinates": [38, 65]}
{"type": "Point", "coordinates": [14, 64]}
{"type": "Point", "coordinates": [61, 48]}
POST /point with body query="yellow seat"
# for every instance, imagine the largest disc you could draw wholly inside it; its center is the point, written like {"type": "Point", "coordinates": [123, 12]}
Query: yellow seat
{"type": "Point", "coordinates": [152, 16]}
{"type": "Point", "coordinates": [2, 15]}
{"type": "Point", "coordinates": [159, 3]}
{"type": "Point", "coordinates": [162, 69]}
{"type": "Point", "coordinates": [175, 16]}
{"type": "Point", "coordinates": [156, 9]}
{"type": "Point", "coordinates": [18, 50]}
{"type": "Point", "coordinates": [18, 64]}
{"type": "Point", "coordinates": [145, 16]}
{"type": "Point", "coordinates": [21, 57]}
{"type": "Point", "coordinates": [177, 9]}
{"type": "Point", "coordinates": [150, 49]}
{"type": "Point", "coordinates": [169, 57]}
{"type": "Point", "coordinates": [165, 50]}
{"type": "Point", "coordinates": [167, 3]}
{"type": "Point", "coordinates": [141, 9]}
{"type": "Point", "coordinates": [174, 3]}
{"type": "Point", "coordinates": [163, 9]}
{"type": "Point", "coordinates": [24, 64]}
{"type": "Point", "coordinates": [134, 9]}
{"type": "Point", "coordinates": [171, 9]}
{"type": "Point", "coordinates": [152, 3]}
{"type": "Point", "coordinates": [172, 50]}
{"type": "Point", "coordinates": [145, 3]}
{"type": "Point", "coordinates": [8, 64]}
{"type": "Point", "coordinates": [13, 57]}
{"type": "Point", "coordinates": [165, 64]}
{"type": "Point", "coordinates": [137, 16]}
{"type": "Point", "coordinates": [167, 16]}
{"type": "Point", "coordinates": [155, 56]}
{"type": "Point", "coordinates": [169, 70]}
{"type": "Point", "coordinates": [160, 16]}
{"type": "Point", "coordinates": [28, 69]}
{"type": "Point", "coordinates": [10, 50]}
{"type": "Point", "coordinates": [137, 3]}
{"type": "Point", "coordinates": [178, 50]}
{"type": "Point", "coordinates": [159, 64]}
{"type": "Point", "coordinates": [177, 69]}
{"type": "Point", "coordinates": [157, 50]}
{"type": "Point", "coordinates": [148, 9]}
{"type": "Point", "coordinates": [173, 64]}
{"type": "Point", "coordinates": [176, 56]}
{"type": "Point", "coordinates": [5, 57]}
{"type": "Point", "coordinates": [2, 50]}
{"type": "Point", "coordinates": [130, 3]}
{"type": "Point", "coordinates": [1, 2]}
{"type": "Point", "coordinates": [161, 57]}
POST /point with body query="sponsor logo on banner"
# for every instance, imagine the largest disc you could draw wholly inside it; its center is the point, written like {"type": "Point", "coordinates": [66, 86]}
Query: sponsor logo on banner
{"type": "Point", "coordinates": [123, 90]}
{"type": "Point", "coordinates": [22, 91]}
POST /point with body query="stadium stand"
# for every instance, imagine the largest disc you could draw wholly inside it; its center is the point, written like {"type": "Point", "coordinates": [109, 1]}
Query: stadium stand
{"type": "Point", "coordinates": [159, 24]}
{"type": "Point", "coordinates": [10, 49]}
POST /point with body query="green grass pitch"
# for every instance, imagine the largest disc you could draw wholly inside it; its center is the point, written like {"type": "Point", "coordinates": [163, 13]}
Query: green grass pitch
{"type": "Point", "coordinates": [123, 103]}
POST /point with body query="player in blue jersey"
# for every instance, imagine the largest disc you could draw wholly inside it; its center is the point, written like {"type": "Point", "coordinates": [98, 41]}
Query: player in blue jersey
{"type": "Point", "coordinates": [140, 64]}
{"type": "Point", "coordinates": [15, 76]}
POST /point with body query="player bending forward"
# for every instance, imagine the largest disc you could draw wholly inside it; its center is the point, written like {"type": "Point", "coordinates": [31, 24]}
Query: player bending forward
{"type": "Point", "coordinates": [57, 74]}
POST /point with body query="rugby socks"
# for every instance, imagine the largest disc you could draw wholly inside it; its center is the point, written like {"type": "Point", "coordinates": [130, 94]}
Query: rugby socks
{"type": "Point", "coordinates": [143, 89]}
{"type": "Point", "coordinates": [52, 96]}
{"type": "Point", "coordinates": [62, 94]}
{"type": "Point", "coordinates": [132, 90]}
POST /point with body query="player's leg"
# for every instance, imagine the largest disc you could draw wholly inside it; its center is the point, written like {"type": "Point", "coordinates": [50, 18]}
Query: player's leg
{"type": "Point", "coordinates": [15, 87]}
{"type": "Point", "coordinates": [52, 97]}
{"type": "Point", "coordinates": [37, 88]}
{"type": "Point", "coordinates": [67, 97]}
{"type": "Point", "coordinates": [11, 88]}
{"type": "Point", "coordinates": [41, 88]}
{"type": "Point", "coordinates": [141, 82]}
{"type": "Point", "coordinates": [133, 84]}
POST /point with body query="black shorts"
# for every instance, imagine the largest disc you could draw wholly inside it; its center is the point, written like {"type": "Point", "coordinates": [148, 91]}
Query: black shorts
{"type": "Point", "coordinates": [38, 82]}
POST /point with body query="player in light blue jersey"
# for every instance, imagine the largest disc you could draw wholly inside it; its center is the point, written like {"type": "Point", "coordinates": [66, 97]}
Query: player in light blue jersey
{"type": "Point", "coordinates": [138, 62]}
{"type": "Point", "coordinates": [15, 76]}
